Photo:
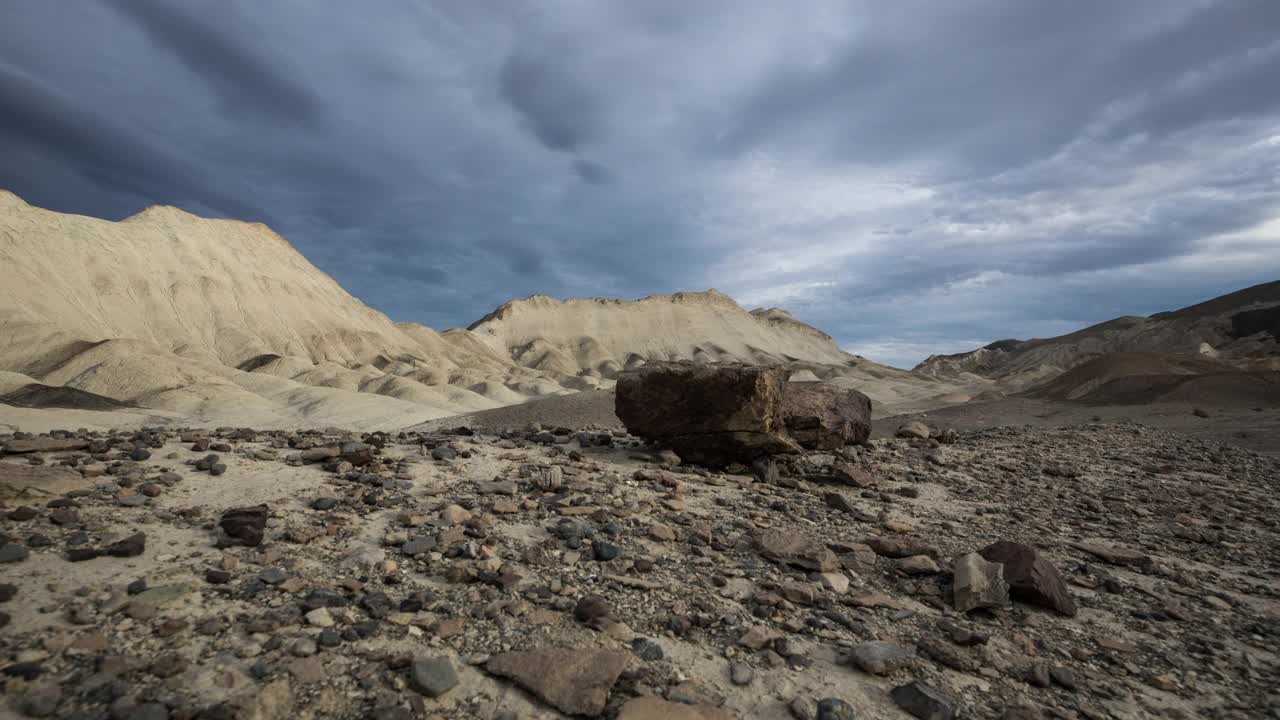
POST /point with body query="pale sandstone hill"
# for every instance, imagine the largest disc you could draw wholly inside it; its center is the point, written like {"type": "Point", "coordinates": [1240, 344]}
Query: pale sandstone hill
{"type": "Point", "coordinates": [177, 317]}
{"type": "Point", "coordinates": [222, 320]}
{"type": "Point", "coordinates": [602, 336]}
{"type": "Point", "coordinates": [598, 338]}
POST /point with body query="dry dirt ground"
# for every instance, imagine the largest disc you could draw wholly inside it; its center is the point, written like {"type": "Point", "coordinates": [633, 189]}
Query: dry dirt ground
{"type": "Point", "coordinates": [471, 548]}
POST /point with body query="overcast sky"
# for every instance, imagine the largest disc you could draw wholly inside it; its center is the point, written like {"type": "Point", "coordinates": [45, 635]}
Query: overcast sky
{"type": "Point", "coordinates": [910, 176]}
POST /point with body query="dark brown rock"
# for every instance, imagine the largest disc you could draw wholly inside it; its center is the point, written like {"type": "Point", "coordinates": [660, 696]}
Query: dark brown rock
{"type": "Point", "coordinates": [575, 681]}
{"type": "Point", "coordinates": [1031, 578]}
{"type": "Point", "coordinates": [822, 416]}
{"type": "Point", "coordinates": [708, 414]}
{"type": "Point", "coordinates": [131, 546]}
{"type": "Point", "coordinates": [245, 524]}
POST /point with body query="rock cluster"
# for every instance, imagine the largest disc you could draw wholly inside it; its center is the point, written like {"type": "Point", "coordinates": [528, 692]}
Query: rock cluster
{"type": "Point", "coordinates": [1089, 572]}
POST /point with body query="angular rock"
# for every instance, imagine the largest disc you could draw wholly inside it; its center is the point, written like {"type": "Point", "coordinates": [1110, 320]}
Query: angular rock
{"type": "Point", "coordinates": [132, 546]}
{"type": "Point", "coordinates": [923, 701]}
{"type": "Point", "coordinates": [978, 583]}
{"type": "Point", "coordinates": [1031, 577]}
{"type": "Point", "coordinates": [575, 681]}
{"type": "Point", "coordinates": [709, 414]}
{"type": "Point", "coordinates": [822, 416]}
{"type": "Point", "coordinates": [245, 524]}
{"type": "Point", "coordinates": [791, 548]}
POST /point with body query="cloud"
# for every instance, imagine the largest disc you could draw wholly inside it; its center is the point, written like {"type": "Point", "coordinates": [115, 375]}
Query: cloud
{"type": "Point", "coordinates": [248, 81]}
{"type": "Point", "coordinates": [909, 177]}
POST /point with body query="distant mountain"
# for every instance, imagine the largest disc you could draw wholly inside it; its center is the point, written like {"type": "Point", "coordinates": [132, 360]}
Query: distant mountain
{"type": "Point", "coordinates": [1239, 329]}
{"type": "Point", "coordinates": [600, 337]}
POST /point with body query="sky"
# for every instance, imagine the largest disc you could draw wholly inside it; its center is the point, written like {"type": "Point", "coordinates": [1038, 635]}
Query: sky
{"type": "Point", "coordinates": [912, 177]}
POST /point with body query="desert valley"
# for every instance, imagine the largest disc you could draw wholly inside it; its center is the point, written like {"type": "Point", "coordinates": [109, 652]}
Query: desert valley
{"type": "Point", "coordinates": [232, 490]}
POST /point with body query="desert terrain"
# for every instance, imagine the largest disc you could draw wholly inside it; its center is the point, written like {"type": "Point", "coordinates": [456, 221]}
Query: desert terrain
{"type": "Point", "coordinates": [229, 489]}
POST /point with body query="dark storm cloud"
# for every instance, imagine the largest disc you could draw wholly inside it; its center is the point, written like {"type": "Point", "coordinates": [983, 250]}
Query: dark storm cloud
{"type": "Point", "coordinates": [88, 144]}
{"type": "Point", "coordinates": [230, 60]}
{"type": "Point", "coordinates": [561, 112]}
{"type": "Point", "coordinates": [911, 177]}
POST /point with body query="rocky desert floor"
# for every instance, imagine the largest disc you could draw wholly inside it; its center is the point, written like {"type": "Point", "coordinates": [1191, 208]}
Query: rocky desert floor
{"type": "Point", "coordinates": [547, 572]}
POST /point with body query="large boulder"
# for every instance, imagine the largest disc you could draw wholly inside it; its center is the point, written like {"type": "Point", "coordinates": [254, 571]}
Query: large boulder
{"type": "Point", "coordinates": [822, 416]}
{"type": "Point", "coordinates": [708, 414]}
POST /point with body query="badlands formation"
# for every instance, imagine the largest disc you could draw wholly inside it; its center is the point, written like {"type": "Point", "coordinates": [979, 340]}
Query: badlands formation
{"type": "Point", "coordinates": [191, 321]}
{"type": "Point", "coordinates": [229, 490]}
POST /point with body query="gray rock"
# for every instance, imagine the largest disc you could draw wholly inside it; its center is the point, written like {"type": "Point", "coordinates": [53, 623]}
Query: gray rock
{"type": "Point", "coordinates": [646, 649]}
{"type": "Point", "coordinates": [432, 677]}
{"type": "Point", "coordinates": [13, 552]}
{"type": "Point", "coordinates": [418, 546]}
{"type": "Point", "coordinates": [741, 673]}
{"type": "Point", "coordinates": [444, 452]}
{"type": "Point", "coordinates": [834, 709]}
{"type": "Point", "coordinates": [39, 703]}
{"type": "Point", "coordinates": [923, 701]}
{"type": "Point", "coordinates": [324, 503]}
{"type": "Point", "coordinates": [878, 657]}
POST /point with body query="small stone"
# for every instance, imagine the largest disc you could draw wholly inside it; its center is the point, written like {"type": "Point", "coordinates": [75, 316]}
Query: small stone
{"type": "Point", "coordinates": [320, 618]}
{"type": "Point", "coordinates": [454, 515]}
{"type": "Point", "coordinates": [132, 546]}
{"type": "Point", "coordinates": [140, 454]}
{"type": "Point", "coordinates": [418, 546]}
{"type": "Point", "coordinates": [217, 469]}
{"type": "Point", "coordinates": [917, 565]}
{"type": "Point", "coordinates": [878, 657]}
{"type": "Point", "coordinates": [245, 524]}
{"type": "Point", "coordinates": [591, 608]}
{"type": "Point", "coordinates": [12, 553]}
{"type": "Point", "coordinates": [661, 532]}
{"type": "Point", "coordinates": [1063, 677]}
{"type": "Point", "coordinates": [432, 677]}
{"type": "Point", "coordinates": [444, 452]}
{"type": "Point", "coordinates": [303, 647]}
{"type": "Point", "coordinates": [834, 709]}
{"type": "Point", "coordinates": [923, 701]}
{"type": "Point", "coordinates": [646, 649]}
{"type": "Point", "coordinates": [217, 577]}
{"type": "Point", "coordinates": [603, 551]}
{"type": "Point", "coordinates": [741, 673]}
{"type": "Point", "coordinates": [273, 575]}
{"type": "Point", "coordinates": [39, 703]}
{"type": "Point", "coordinates": [324, 503]}
{"type": "Point", "coordinates": [836, 582]}
{"type": "Point", "coordinates": [135, 587]}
